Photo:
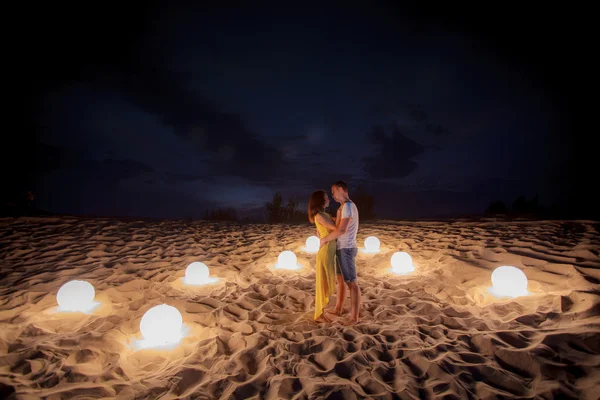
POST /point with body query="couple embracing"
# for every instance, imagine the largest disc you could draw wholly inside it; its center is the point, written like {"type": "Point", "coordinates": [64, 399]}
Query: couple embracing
{"type": "Point", "coordinates": [336, 259]}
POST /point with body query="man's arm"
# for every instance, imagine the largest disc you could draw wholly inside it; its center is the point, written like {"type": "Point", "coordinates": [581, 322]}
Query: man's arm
{"type": "Point", "coordinates": [341, 229]}
{"type": "Point", "coordinates": [337, 218]}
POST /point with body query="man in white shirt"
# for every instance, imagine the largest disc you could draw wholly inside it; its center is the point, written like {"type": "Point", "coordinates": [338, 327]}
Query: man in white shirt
{"type": "Point", "coordinates": [347, 227]}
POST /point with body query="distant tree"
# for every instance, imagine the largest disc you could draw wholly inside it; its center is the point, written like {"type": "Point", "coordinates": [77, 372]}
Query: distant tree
{"type": "Point", "coordinates": [290, 208]}
{"type": "Point", "coordinates": [522, 207]}
{"type": "Point", "coordinates": [275, 209]}
{"type": "Point", "coordinates": [496, 207]}
{"type": "Point", "coordinates": [278, 212]}
{"type": "Point", "coordinates": [228, 214]}
{"type": "Point", "coordinates": [293, 214]}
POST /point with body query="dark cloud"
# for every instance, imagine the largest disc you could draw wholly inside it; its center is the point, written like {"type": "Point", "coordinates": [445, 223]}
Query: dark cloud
{"type": "Point", "coordinates": [141, 70]}
{"type": "Point", "coordinates": [40, 159]}
{"type": "Point", "coordinates": [103, 173]}
{"type": "Point", "coordinates": [436, 129]}
{"type": "Point", "coordinates": [233, 148]}
{"type": "Point", "coordinates": [395, 154]}
{"type": "Point", "coordinates": [111, 170]}
{"type": "Point", "coordinates": [108, 172]}
{"type": "Point", "coordinates": [411, 115]}
{"type": "Point", "coordinates": [173, 177]}
{"type": "Point", "coordinates": [417, 113]}
{"type": "Point", "coordinates": [318, 169]}
{"type": "Point", "coordinates": [432, 203]}
{"type": "Point", "coordinates": [181, 102]}
{"type": "Point", "coordinates": [116, 187]}
{"type": "Point", "coordinates": [122, 200]}
{"type": "Point", "coordinates": [396, 201]}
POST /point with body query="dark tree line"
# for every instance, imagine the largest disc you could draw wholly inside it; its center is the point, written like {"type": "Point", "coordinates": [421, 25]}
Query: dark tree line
{"type": "Point", "coordinates": [227, 214]}
{"type": "Point", "coordinates": [523, 207]}
{"type": "Point", "coordinates": [278, 211]}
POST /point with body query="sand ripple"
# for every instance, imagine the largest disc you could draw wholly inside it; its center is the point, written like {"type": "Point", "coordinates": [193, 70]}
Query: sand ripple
{"type": "Point", "coordinates": [435, 334]}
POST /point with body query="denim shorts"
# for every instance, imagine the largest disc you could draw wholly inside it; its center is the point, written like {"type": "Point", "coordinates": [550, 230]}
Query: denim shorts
{"type": "Point", "coordinates": [346, 264]}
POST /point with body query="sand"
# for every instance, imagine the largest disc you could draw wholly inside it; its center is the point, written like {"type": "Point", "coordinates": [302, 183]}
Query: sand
{"type": "Point", "coordinates": [437, 333]}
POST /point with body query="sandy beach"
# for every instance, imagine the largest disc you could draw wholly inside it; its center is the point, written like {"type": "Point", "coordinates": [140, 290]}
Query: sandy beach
{"type": "Point", "coordinates": [437, 333]}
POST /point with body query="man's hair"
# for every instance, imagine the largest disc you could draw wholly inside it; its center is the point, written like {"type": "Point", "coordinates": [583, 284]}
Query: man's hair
{"type": "Point", "coordinates": [341, 184]}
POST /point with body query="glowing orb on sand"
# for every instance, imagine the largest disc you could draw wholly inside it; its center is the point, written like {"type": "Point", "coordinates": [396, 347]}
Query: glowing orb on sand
{"type": "Point", "coordinates": [402, 263]}
{"type": "Point", "coordinates": [372, 244]}
{"type": "Point", "coordinates": [508, 282]}
{"type": "Point", "coordinates": [287, 260]}
{"type": "Point", "coordinates": [312, 244]}
{"type": "Point", "coordinates": [197, 273]}
{"type": "Point", "coordinates": [161, 325]}
{"type": "Point", "coordinates": [76, 296]}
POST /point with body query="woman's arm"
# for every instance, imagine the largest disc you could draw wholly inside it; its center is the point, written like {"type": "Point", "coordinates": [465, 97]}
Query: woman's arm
{"type": "Point", "coordinates": [326, 222]}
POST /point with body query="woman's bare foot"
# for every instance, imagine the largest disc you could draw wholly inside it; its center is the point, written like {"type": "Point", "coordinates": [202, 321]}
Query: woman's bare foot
{"type": "Point", "coordinates": [323, 318]}
{"type": "Point", "coordinates": [334, 313]}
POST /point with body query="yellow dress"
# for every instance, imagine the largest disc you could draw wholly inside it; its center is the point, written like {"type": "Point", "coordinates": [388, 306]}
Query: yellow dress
{"type": "Point", "coordinates": [325, 285]}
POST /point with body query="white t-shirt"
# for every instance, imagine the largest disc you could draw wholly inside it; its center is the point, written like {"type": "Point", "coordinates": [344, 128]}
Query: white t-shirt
{"type": "Point", "coordinates": [348, 239]}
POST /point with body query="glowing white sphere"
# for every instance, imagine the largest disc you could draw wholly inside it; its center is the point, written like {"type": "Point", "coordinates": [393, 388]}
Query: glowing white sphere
{"type": "Point", "coordinates": [509, 281]}
{"type": "Point", "coordinates": [161, 324]}
{"type": "Point", "coordinates": [196, 273]}
{"type": "Point", "coordinates": [76, 296]}
{"type": "Point", "coordinates": [372, 243]}
{"type": "Point", "coordinates": [402, 263]}
{"type": "Point", "coordinates": [313, 243]}
{"type": "Point", "coordinates": [287, 260]}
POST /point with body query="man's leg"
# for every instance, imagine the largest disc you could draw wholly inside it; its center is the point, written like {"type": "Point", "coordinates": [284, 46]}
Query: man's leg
{"type": "Point", "coordinates": [354, 301]}
{"type": "Point", "coordinates": [349, 264]}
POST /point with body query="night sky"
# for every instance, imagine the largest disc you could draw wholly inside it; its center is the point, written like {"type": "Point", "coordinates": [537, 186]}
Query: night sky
{"type": "Point", "coordinates": [167, 111]}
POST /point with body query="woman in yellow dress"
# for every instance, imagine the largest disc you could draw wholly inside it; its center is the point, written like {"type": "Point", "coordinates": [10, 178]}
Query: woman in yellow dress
{"type": "Point", "coordinates": [326, 280]}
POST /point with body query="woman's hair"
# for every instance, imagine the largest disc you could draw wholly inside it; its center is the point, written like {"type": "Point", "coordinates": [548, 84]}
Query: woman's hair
{"type": "Point", "coordinates": [316, 204]}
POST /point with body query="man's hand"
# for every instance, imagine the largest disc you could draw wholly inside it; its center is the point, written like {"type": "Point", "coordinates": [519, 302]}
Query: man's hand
{"type": "Point", "coordinates": [322, 242]}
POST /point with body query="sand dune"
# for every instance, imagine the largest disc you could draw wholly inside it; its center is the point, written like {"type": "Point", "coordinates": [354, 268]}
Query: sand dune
{"type": "Point", "coordinates": [435, 334]}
